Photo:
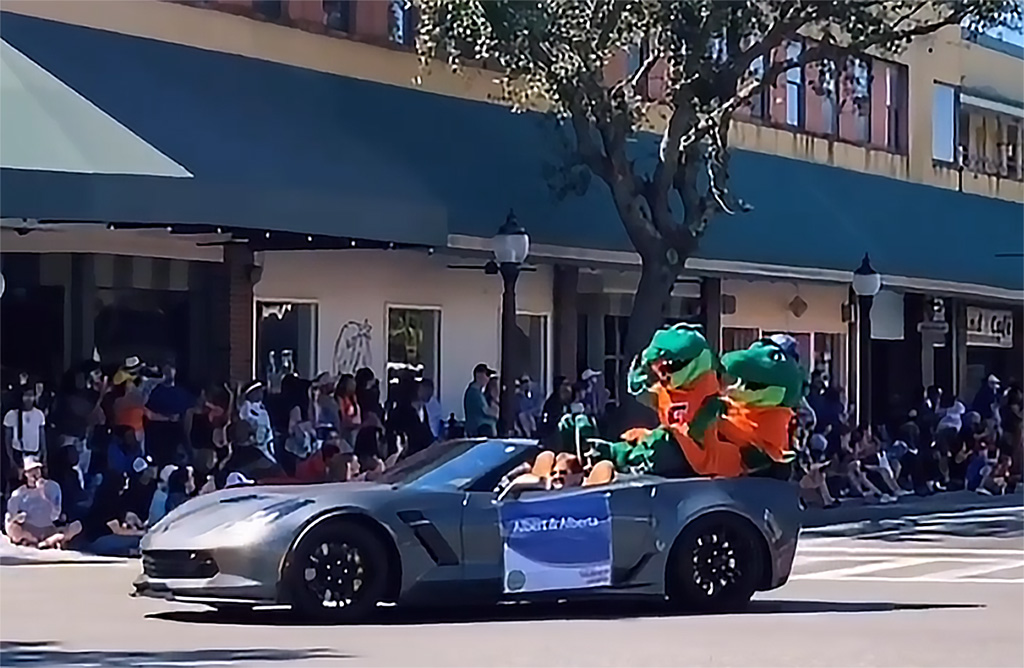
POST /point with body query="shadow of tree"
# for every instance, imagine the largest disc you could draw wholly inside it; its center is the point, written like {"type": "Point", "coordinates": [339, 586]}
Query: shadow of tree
{"type": "Point", "coordinates": [46, 653]}
{"type": "Point", "coordinates": [591, 610]}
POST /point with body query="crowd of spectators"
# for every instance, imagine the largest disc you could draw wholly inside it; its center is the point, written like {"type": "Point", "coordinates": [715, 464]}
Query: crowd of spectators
{"type": "Point", "coordinates": [941, 445]}
{"type": "Point", "coordinates": [112, 451]}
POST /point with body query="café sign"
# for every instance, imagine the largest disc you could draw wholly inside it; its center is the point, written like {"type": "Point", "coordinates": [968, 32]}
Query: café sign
{"type": "Point", "coordinates": [989, 327]}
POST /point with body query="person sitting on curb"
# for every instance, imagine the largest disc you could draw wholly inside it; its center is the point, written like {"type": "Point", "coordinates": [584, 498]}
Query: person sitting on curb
{"type": "Point", "coordinates": [110, 528]}
{"type": "Point", "coordinates": [34, 511]}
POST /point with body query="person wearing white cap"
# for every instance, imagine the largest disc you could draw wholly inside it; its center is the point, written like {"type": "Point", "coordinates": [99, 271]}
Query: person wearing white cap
{"type": "Point", "coordinates": [35, 509]}
{"type": "Point", "coordinates": [236, 479]}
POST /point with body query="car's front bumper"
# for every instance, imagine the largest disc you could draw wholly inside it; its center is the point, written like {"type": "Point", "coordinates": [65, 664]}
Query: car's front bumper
{"type": "Point", "coordinates": [219, 589]}
{"type": "Point", "coordinates": [212, 576]}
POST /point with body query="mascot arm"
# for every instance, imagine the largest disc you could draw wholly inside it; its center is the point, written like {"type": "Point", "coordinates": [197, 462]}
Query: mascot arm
{"type": "Point", "coordinates": [707, 416]}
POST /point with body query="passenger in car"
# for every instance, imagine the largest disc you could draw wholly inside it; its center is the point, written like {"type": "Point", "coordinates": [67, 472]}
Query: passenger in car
{"type": "Point", "coordinates": [553, 472]}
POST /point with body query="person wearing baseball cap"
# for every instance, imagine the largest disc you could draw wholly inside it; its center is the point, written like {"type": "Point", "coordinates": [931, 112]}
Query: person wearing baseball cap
{"type": "Point", "coordinates": [35, 509]}
{"type": "Point", "coordinates": [479, 420]}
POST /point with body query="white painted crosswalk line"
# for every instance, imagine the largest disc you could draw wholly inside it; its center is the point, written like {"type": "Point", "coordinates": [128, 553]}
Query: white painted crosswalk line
{"type": "Point", "coordinates": [863, 569]}
{"type": "Point", "coordinates": [977, 569]}
{"type": "Point", "coordinates": [911, 549]}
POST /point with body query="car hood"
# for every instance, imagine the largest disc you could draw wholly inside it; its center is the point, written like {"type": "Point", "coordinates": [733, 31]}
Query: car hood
{"type": "Point", "coordinates": [241, 514]}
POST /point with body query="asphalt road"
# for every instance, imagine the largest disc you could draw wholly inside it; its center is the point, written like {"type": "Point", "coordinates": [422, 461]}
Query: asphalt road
{"type": "Point", "coordinates": [944, 589]}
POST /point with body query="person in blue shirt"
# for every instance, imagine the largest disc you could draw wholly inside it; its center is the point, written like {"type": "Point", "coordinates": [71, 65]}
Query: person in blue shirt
{"type": "Point", "coordinates": [480, 420]}
{"type": "Point", "coordinates": [166, 408]}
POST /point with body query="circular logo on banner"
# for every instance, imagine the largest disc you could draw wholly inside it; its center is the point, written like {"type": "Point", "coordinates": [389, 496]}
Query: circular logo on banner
{"type": "Point", "coordinates": [516, 580]}
{"type": "Point", "coordinates": [3, 285]}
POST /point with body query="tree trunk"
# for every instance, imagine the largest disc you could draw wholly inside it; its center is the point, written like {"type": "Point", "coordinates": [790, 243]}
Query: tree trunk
{"type": "Point", "coordinates": [657, 277]}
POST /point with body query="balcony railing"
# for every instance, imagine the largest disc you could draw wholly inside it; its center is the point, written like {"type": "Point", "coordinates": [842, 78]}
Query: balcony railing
{"type": "Point", "coordinates": [1005, 167]}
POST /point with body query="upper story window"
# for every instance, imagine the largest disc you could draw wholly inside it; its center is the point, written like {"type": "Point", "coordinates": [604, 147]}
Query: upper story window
{"type": "Point", "coordinates": [339, 15]}
{"type": "Point", "coordinates": [896, 125]}
{"type": "Point", "coordinates": [861, 102]}
{"type": "Point", "coordinates": [944, 122]}
{"type": "Point", "coordinates": [401, 22]}
{"type": "Point", "coordinates": [795, 87]}
{"type": "Point", "coordinates": [988, 136]}
{"type": "Point", "coordinates": [829, 82]}
{"type": "Point", "coordinates": [760, 102]}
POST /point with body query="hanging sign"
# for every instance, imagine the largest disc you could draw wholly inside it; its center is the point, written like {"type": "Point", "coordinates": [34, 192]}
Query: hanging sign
{"type": "Point", "coordinates": [989, 327]}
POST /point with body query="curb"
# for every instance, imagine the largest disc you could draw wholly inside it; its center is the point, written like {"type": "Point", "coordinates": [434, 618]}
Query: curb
{"type": "Point", "coordinates": [908, 506]}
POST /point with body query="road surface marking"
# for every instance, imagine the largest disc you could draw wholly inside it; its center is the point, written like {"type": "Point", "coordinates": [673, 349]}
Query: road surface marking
{"type": "Point", "coordinates": [857, 551]}
{"type": "Point", "coordinates": [862, 569]}
{"type": "Point", "coordinates": [969, 572]}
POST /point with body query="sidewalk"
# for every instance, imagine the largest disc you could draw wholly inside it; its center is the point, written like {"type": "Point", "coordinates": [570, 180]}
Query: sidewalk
{"type": "Point", "coordinates": [17, 555]}
{"type": "Point", "coordinates": [857, 510]}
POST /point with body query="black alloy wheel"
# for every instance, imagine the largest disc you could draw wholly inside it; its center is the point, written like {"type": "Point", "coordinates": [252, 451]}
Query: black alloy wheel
{"type": "Point", "coordinates": [338, 572]}
{"type": "Point", "coordinates": [716, 564]}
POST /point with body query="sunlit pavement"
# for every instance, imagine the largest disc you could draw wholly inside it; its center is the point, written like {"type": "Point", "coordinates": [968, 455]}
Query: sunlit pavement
{"type": "Point", "coordinates": [942, 589]}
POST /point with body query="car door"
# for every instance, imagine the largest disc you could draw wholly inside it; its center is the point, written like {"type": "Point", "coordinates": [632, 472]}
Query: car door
{"type": "Point", "coordinates": [633, 536]}
{"type": "Point", "coordinates": [632, 533]}
{"type": "Point", "coordinates": [482, 563]}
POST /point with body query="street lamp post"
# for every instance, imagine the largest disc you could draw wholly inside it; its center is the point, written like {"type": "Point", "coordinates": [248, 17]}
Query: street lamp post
{"type": "Point", "coordinates": [511, 246]}
{"type": "Point", "coordinates": [866, 284]}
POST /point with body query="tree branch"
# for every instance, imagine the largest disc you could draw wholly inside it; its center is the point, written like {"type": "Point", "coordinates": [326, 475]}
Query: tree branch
{"type": "Point", "coordinates": [645, 69]}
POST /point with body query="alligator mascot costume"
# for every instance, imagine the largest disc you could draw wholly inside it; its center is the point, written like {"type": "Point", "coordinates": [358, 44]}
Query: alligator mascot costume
{"type": "Point", "coordinates": [704, 429]}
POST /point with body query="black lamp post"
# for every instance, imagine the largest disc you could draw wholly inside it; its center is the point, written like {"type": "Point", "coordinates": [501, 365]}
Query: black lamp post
{"type": "Point", "coordinates": [866, 284]}
{"type": "Point", "coordinates": [511, 246]}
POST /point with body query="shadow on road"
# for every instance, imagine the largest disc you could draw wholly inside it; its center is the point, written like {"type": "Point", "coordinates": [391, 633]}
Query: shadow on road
{"type": "Point", "coordinates": [47, 653]}
{"type": "Point", "coordinates": [534, 612]}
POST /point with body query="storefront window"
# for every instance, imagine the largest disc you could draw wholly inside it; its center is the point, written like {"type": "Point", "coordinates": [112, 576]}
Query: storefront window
{"type": "Point", "coordinates": [414, 343]}
{"type": "Point", "coordinates": [615, 362]}
{"type": "Point", "coordinates": [286, 340]}
{"type": "Point", "coordinates": [152, 325]}
{"type": "Point", "coordinates": [738, 338]}
{"type": "Point", "coordinates": [533, 358]}
{"type": "Point", "coordinates": [819, 351]}
{"type": "Point", "coordinates": [828, 356]}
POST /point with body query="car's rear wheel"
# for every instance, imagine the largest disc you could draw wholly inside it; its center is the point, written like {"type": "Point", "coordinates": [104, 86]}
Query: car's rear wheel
{"type": "Point", "coordinates": [715, 564]}
{"type": "Point", "coordinates": [337, 572]}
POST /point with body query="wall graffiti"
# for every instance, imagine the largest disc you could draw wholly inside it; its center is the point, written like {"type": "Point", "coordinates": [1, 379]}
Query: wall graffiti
{"type": "Point", "coordinates": [352, 348]}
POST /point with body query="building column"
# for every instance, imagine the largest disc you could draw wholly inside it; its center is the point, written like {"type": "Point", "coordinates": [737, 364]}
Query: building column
{"type": "Point", "coordinates": [565, 299]}
{"type": "Point", "coordinates": [958, 345]}
{"type": "Point", "coordinates": [232, 314]}
{"type": "Point", "coordinates": [1017, 352]}
{"type": "Point", "coordinates": [711, 311]}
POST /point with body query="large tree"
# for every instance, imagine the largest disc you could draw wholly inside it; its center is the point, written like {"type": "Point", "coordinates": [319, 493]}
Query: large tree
{"type": "Point", "coordinates": [554, 55]}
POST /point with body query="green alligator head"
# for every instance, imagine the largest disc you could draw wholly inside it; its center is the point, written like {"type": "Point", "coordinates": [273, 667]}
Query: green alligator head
{"type": "Point", "coordinates": [765, 375]}
{"type": "Point", "coordinates": [676, 357]}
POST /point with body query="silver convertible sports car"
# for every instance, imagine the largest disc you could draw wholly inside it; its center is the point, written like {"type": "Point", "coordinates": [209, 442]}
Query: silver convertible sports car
{"type": "Point", "coordinates": [435, 529]}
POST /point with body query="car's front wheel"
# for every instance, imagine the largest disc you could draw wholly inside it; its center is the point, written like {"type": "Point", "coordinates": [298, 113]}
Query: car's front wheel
{"type": "Point", "coordinates": [715, 564]}
{"type": "Point", "coordinates": [337, 572]}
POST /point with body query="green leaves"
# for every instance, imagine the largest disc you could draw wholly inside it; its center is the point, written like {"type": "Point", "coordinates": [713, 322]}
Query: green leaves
{"type": "Point", "coordinates": [708, 58]}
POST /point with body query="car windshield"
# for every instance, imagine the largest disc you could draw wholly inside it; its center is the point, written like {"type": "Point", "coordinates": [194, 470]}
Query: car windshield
{"type": "Point", "coordinates": [451, 462]}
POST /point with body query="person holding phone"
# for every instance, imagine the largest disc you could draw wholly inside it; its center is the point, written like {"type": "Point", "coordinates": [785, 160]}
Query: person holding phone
{"type": "Point", "coordinates": [34, 512]}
